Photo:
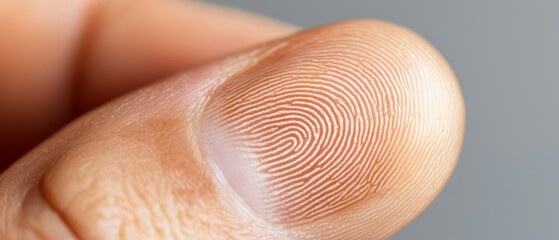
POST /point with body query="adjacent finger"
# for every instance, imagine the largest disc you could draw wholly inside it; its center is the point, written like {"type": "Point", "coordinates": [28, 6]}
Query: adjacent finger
{"type": "Point", "coordinates": [342, 132]}
{"type": "Point", "coordinates": [132, 43]}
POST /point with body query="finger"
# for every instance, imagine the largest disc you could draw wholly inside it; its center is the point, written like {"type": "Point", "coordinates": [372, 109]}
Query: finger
{"type": "Point", "coordinates": [133, 43]}
{"type": "Point", "coordinates": [347, 131]}
{"type": "Point", "coordinates": [59, 57]}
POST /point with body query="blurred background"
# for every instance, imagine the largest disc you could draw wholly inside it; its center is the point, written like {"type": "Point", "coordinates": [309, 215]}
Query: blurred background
{"type": "Point", "coordinates": [505, 54]}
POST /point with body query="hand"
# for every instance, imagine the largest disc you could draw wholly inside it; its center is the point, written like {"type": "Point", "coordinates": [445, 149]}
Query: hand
{"type": "Point", "coordinates": [347, 131]}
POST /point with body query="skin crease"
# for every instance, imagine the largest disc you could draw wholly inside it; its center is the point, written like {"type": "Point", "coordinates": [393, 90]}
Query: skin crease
{"type": "Point", "coordinates": [136, 168]}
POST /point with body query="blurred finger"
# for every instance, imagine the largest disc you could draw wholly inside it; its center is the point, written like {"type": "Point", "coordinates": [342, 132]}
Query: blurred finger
{"type": "Point", "coordinates": [61, 58]}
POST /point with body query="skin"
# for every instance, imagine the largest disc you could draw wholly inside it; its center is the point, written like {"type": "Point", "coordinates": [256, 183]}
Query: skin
{"type": "Point", "coordinates": [137, 165]}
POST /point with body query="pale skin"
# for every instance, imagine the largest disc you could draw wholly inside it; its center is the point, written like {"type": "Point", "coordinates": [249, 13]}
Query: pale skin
{"type": "Point", "coordinates": [128, 165]}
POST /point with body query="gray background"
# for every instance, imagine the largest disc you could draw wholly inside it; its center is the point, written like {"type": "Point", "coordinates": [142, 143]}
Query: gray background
{"type": "Point", "coordinates": [505, 54]}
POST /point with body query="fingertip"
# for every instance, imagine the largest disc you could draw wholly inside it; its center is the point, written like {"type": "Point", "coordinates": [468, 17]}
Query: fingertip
{"type": "Point", "coordinates": [351, 128]}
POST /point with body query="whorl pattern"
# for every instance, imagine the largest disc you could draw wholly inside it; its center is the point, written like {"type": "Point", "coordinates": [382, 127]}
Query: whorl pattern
{"type": "Point", "coordinates": [314, 126]}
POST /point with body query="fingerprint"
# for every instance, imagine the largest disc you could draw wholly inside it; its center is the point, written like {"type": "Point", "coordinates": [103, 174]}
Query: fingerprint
{"type": "Point", "coordinates": [321, 123]}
